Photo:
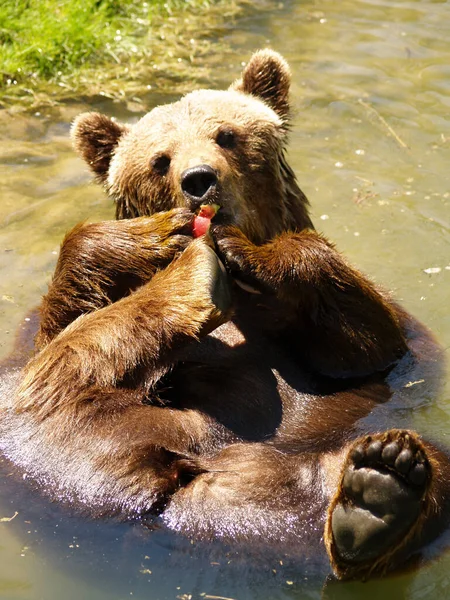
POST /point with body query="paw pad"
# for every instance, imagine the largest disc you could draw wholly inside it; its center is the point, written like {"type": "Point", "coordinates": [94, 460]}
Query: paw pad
{"type": "Point", "coordinates": [380, 502]}
{"type": "Point", "coordinates": [400, 454]}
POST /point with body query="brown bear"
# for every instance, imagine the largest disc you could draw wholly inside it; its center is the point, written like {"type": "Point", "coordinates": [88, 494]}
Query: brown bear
{"type": "Point", "coordinates": [238, 384]}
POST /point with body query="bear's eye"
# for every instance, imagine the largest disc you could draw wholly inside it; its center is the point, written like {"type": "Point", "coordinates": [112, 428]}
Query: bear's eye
{"type": "Point", "coordinates": [160, 164]}
{"type": "Point", "coordinates": [226, 138]}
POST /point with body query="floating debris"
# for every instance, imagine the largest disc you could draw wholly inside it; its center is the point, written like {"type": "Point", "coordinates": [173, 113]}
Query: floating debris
{"type": "Point", "coordinates": [383, 121]}
{"type": "Point", "coordinates": [432, 270]}
{"type": "Point", "coordinates": [8, 519]}
{"type": "Point", "coordinates": [411, 383]}
{"type": "Point", "coordinates": [210, 597]}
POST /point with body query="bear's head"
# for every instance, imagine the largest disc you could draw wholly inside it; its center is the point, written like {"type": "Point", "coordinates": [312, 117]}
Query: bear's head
{"type": "Point", "coordinates": [221, 147]}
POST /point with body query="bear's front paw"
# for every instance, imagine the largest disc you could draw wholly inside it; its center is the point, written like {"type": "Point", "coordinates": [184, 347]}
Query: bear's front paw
{"type": "Point", "coordinates": [199, 282]}
{"type": "Point", "coordinates": [173, 245]}
{"type": "Point", "coordinates": [211, 273]}
{"type": "Point", "coordinates": [166, 234]}
{"type": "Point", "coordinates": [178, 221]}
{"type": "Point", "coordinates": [383, 498]}
{"type": "Point", "coordinates": [241, 258]}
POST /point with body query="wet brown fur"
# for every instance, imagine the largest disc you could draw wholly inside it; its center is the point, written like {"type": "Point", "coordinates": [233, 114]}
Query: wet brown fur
{"type": "Point", "coordinates": [148, 391]}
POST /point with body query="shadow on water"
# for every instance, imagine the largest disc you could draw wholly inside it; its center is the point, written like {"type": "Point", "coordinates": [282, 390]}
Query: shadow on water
{"type": "Point", "coordinates": [370, 145]}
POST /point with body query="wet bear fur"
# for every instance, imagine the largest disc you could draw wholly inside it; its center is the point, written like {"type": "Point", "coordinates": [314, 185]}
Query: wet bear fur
{"type": "Point", "coordinates": [235, 383]}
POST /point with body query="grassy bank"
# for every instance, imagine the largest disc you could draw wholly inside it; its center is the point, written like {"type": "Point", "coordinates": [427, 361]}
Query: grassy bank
{"type": "Point", "coordinates": [54, 49]}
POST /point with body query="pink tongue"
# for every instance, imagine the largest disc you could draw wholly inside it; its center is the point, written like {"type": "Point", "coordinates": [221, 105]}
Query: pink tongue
{"type": "Point", "coordinates": [201, 225]}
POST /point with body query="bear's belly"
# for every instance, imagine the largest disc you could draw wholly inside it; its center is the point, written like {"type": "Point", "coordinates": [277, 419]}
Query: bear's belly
{"type": "Point", "coordinates": [254, 389]}
{"type": "Point", "coordinates": [257, 389]}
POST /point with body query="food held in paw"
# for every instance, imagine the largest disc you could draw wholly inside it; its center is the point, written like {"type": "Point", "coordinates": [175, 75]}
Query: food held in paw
{"type": "Point", "coordinates": [202, 220]}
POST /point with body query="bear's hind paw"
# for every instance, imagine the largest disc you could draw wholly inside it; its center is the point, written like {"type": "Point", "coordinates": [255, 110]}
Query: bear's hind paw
{"type": "Point", "coordinates": [381, 503]}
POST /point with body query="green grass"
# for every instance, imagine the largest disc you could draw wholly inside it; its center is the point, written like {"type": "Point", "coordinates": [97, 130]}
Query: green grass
{"type": "Point", "coordinates": [66, 43]}
{"type": "Point", "coordinates": [43, 38]}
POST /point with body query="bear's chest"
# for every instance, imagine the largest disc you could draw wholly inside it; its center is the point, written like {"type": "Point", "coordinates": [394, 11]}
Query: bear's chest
{"type": "Point", "coordinates": [245, 382]}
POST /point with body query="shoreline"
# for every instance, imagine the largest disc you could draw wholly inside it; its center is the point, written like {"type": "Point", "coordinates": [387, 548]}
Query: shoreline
{"type": "Point", "coordinates": [177, 46]}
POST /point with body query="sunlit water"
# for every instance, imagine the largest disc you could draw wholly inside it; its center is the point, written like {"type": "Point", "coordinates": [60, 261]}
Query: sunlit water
{"type": "Point", "coordinates": [370, 145]}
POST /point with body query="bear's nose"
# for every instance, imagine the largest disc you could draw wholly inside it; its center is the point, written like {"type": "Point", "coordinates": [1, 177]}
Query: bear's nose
{"type": "Point", "coordinates": [196, 182]}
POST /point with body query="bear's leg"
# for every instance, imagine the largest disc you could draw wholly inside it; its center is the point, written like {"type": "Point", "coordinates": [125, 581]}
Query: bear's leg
{"type": "Point", "coordinates": [100, 263]}
{"type": "Point", "coordinates": [89, 394]}
{"type": "Point", "coordinates": [250, 491]}
{"type": "Point", "coordinates": [383, 500]}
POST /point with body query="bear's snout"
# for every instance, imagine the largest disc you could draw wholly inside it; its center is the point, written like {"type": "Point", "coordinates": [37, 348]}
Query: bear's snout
{"type": "Point", "coordinates": [198, 184]}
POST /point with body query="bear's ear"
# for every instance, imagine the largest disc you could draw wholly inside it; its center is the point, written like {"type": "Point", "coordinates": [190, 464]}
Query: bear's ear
{"type": "Point", "coordinates": [268, 77]}
{"type": "Point", "coordinates": [95, 138]}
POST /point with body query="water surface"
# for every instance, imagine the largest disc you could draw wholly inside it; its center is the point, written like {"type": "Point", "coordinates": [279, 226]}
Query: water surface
{"type": "Point", "coordinates": [370, 145]}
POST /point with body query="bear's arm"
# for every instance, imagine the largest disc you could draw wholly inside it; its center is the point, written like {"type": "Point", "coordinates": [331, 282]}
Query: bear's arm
{"type": "Point", "coordinates": [99, 263]}
{"type": "Point", "coordinates": [98, 378]}
{"type": "Point", "coordinates": [328, 313]}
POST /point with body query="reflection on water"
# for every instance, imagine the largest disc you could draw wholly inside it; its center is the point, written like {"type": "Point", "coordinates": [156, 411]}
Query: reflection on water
{"type": "Point", "coordinates": [370, 145]}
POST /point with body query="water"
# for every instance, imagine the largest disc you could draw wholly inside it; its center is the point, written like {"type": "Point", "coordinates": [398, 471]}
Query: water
{"type": "Point", "coordinates": [370, 145]}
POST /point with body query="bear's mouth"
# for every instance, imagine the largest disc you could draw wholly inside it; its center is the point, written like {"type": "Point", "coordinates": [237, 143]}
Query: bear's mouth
{"type": "Point", "coordinates": [222, 217]}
